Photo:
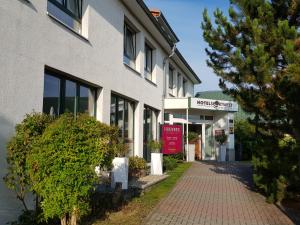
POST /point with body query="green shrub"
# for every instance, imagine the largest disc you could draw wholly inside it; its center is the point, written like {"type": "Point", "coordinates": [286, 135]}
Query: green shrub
{"type": "Point", "coordinates": [137, 166]}
{"type": "Point", "coordinates": [178, 157]}
{"type": "Point", "coordinates": [244, 138]}
{"type": "Point", "coordinates": [221, 139]}
{"type": "Point", "coordinates": [62, 164]}
{"type": "Point", "coordinates": [169, 163]}
{"type": "Point", "coordinates": [276, 166]}
{"type": "Point", "coordinates": [31, 217]}
{"type": "Point", "coordinates": [155, 146]}
{"type": "Point", "coordinates": [18, 148]}
{"type": "Point", "coordinates": [121, 149]}
{"type": "Point", "coordinates": [137, 163]}
{"type": "Point", "coordinates": [193, 137]}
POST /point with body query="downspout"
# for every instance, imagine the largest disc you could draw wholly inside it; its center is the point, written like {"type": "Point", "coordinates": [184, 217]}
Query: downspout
{"type": "Point", "coordinates": [164, 81]}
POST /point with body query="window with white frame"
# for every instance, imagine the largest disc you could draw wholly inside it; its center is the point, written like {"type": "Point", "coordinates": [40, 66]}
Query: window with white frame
{"type": "Point", "coordinates": [129, 45]}
{"type": "Point", "coordinates": [171, 77]}
{"type": "Point", "coordinates": [148, 61]}
{"type": "Point", "coordinates": [68, 12]}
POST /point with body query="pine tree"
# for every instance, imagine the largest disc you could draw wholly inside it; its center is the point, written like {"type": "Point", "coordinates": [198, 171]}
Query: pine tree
{"type": "Point", "coordinates": [256, 54]}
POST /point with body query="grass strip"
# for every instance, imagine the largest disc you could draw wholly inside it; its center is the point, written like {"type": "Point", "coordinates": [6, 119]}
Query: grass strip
{"type": "Point", "coordinates": [137, 210]}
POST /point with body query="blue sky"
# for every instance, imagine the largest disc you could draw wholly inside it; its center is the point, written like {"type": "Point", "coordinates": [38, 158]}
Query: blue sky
{"type": "Point", "coordinates": [185, 17]}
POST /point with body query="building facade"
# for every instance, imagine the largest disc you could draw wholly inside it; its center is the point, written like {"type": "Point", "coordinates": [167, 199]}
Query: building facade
{"type": "Point", "coordinates": [113, 59]}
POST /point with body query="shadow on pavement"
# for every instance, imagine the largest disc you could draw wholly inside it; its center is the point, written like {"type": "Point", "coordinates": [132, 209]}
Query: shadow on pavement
{"type": "Point", "coordinates": [242, 171]}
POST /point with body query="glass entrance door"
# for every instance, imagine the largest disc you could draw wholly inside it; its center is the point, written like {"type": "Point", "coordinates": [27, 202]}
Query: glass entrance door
{"type": "Point", "coordinates": [209, 142]}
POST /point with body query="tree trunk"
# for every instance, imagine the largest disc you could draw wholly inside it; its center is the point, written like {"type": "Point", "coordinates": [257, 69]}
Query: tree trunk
{"type": "Point", "coordinates": [74, 219]}
{"type": "Point", "coordinates": [63, 220]}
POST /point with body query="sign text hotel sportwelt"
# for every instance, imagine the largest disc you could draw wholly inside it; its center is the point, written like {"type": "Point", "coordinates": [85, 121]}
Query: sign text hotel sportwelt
{"type": "Point", "coordinates": [211, 104]}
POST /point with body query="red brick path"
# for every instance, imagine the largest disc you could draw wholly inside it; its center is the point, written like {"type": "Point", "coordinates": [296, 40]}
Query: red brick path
{"type": "Point", "coordinates": [216, 194]}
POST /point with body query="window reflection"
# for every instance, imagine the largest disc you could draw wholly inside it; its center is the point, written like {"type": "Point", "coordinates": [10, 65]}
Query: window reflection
{"type": "Point", "coordinates": [86, 100]}
{"type": "Point", "coordinates": [122, 115]}
{"type": "Point", "coordinates": [65, 96]}
{"type": "Point", "coordinates": [150, 130]}
{"type": "Point", "coordinates": [51, 95]}
{"type": "Point", "coordinates": [70, 97]}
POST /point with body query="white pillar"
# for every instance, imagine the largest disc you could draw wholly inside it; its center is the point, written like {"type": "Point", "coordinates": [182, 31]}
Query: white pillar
{"type": "Point", "coordinates": [203, 141]}
{"type": "Point", "coordinates": [187, 132]}
{"type": "Point", "coordinates": [139, 129]}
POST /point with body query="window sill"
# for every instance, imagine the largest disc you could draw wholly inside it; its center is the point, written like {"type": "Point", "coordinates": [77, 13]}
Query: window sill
{"type": "Point", "coordinates": [150, 82]}
{"type": "Point", "coordinates": [132, 69]}
{"type": "Point", "coordinates": [67, 27]}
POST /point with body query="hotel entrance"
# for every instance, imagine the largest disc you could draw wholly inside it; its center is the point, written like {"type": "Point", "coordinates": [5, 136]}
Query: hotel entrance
{"type": "Point", "coordinates": [205, 146]}
{"type": "Point", "coordinates": [206, 118]}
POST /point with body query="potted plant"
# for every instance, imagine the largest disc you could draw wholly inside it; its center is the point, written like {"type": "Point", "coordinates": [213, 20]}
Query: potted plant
{"type": "Point", "coordinates": [120, 165]}
{"type": "Point", "coordinates": [221, 139]}
{"type": "Point", "coordinates": [156, 157]}
{"type": "Point", "coordinates": [192, 139]}
{"type": "Point", "coordinates": [137, 167]}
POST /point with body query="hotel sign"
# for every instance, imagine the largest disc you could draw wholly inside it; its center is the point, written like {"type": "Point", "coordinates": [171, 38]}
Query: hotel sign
{"type": "Point", "coordinates": [210, 104]}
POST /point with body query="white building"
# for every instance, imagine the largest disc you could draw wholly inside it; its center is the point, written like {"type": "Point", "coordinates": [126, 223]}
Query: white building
{"type": "Point", "coordinates": [114, 59]}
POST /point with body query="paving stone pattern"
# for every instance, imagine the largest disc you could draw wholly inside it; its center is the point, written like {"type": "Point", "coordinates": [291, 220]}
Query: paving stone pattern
{"type": "Point", "coordinates": [212, 193]}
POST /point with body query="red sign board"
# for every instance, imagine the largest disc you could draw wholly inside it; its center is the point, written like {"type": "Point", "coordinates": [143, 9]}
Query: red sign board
{"type": "Point", "coordinates": [172, 139]}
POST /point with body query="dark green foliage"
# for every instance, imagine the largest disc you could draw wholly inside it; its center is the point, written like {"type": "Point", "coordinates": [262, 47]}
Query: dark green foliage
{"type": "Point", "coordinates": [169, 163]}
{"type": "Point", "coordinates": [275, 166]}
{"type": "Point", "coordinates": [62, 164]}
{"type": "Point", "coordinates": [221, 139]}
{"type": "Point", "coordinates": [19, 146]}
{"type": "Point", "coordinates": [244, 138]}
{"type": "Point", "coordinates": [256, 55]}
{"type": "Point", "coordinates": [178, 156]}
{"type": "Point", "coordinates": [155, 146]}
{"type": "Point", "coordinates": [30, 217]}
{"type": "Point", "coordinates": [193, 137]}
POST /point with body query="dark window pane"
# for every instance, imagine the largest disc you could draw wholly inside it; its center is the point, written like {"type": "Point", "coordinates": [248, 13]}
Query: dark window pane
{"type": "Point", "coordinates": [209, 118]}
{"type": "Point", "coordinates": [121, 116]}
{"type": "Point", "coordinates": [113, 110]}
{"type": "Point", "coordinates": [60, 1]}
{"type": "Point", "coordinates": [51, 95]}
{"type": "Point", "coordinates": [75, 7]}
{"type": "Point", "coordinates": [184, 87]}
{"type": "Point", "coordinates": [170, 78]}
{"type": "Point", "coordinates": [70, 97]}
{"type": "Point", "coordinates": [68, 15]}
{"type": "Point", "coordinates": [129, 43]}
{"type": "Point", "coordinates": [86, 100]}
{"type": "Point", "coordinates": [148, 59]}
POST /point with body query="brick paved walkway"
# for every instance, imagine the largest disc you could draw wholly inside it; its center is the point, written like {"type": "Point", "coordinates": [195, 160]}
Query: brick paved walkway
{"type": "Point", "coordinates": [213, 193]}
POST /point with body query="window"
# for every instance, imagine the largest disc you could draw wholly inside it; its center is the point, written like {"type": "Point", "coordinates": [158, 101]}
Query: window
{"type": "Point", "coordinates": [148, 61]}
{"type": "Point", "coordinates": [209, 118]}
{"type": "Point", "coordinates": [150, 130]}
{"type": "Point", "coordinates": [122, 115]}
{"type": "Point", "coordinates": [184, 87]}
{"type": "Point", "coordinates": [64, 95]}
{"type": "Point", "coordinates": [129, 45]}
{"type": "Point", "coordinates": [171, 74]}
{"type": "Point", "coordinates": [69, 12]}
{"type": "Point", "coordinates": [178, 84]}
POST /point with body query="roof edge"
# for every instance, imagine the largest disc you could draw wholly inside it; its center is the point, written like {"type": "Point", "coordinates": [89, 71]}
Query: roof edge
{"type": "Point", "coordinates": [188, 66]}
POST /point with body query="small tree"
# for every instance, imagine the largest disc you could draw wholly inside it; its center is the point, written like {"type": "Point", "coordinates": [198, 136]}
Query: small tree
{"type": "Point", "coordinates": [19, 146]}
{"type": "Point", "coordinates": [62, 165]}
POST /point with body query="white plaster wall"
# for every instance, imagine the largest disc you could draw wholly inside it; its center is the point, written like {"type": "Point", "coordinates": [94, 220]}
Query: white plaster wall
{"type": "Point", "coordinates": [30, 39]}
